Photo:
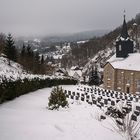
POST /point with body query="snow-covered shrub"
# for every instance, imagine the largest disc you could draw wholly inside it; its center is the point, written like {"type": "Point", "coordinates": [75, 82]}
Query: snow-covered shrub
{"type": "Point", "coordinates": [57, 99]}
{"type": "Point", "coordinates": [124, 124]}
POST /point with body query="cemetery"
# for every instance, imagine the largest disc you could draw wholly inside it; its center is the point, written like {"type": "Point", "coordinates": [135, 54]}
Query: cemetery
{"type": "Point", "coordinates": [105, 99]}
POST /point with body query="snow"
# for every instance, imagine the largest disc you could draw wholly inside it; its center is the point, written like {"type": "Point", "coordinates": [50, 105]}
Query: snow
{"type": "Point", "coordinates": [135, 24]}
{"type": "Point", "coordinates": [130, 63]}
{"type": "Point", "coordinates": [35, 50]}
{"type": "Point", "coordinates": [81, 42]}
{"type": "Point", "coordinates": [15, 71]}
{"type": "Point", "coordinates": [27, 118]}
{"type": "Point", "coordinates": [37, 40]}
{"type": "Point", "coordinates": [123, 39]}
{"type": "Point", "coordinates": [10, 72]}
{"type": "Point", "coordinates": [75, 73]}
{"type": "Point", "coordinates": [59, 56]}
{"type": "Point", "coordinates": [99, 59]}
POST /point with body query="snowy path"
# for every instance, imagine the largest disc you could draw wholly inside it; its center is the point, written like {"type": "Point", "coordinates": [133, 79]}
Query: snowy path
{"type": "Point", "coordinates": [26, 118]}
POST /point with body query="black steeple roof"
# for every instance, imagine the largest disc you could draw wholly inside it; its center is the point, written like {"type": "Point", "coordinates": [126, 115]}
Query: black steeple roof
{"type": "Point", "coordinates": [124, 32]}
{"type": "Point", "coordinates": [124, 46]}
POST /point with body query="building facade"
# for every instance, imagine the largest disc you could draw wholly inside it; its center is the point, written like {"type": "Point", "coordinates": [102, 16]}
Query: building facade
{"type": "Point", "coordinates": [123, 80]}
{"type": "Point", "coordinates": [122, 71]}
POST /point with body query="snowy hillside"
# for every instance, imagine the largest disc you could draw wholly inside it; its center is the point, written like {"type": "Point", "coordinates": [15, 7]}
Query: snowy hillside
{"type": "Point", "coordinates": [99, 59]}
{"type": "Point", "coordinates": [26, 118]}
{"type": "Point", "coordinates": [15, 71]}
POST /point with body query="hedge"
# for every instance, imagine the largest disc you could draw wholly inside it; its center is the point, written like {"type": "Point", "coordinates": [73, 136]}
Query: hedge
{"type": "Point", "coordinates": [12, 89]}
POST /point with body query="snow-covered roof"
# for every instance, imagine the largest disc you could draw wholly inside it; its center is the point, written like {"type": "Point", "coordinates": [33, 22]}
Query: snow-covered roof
{"type": "Point", "coordinates": [132, 62]}
{"type": "Point", "coordinates": [81, 42]}
{"type": "Point", "coordinates": [36, 40]}
{"type": "Point", "coordinates": [59, 56]}
{"type": "Point", "coordinates": [73, 72]}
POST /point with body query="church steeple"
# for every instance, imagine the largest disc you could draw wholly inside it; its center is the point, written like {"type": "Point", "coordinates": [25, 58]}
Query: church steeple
{"type": "Point", "coordinates": [124, 45]}
{"type": "Point", "coordinates": [124, 32]}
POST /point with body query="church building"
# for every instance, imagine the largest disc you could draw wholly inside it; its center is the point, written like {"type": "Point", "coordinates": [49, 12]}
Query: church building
{"type": "Point", "coordinates": [122, 71]}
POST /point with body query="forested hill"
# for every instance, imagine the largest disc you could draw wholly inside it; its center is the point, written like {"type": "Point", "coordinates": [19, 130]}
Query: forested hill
{"type": "Point", "coordinates": [83, 53]}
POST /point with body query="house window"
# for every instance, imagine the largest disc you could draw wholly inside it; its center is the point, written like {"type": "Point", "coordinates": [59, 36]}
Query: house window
{"type": "Point", "coordinates": [138, 86]}
{"type": "Point", "coordinates": [120, 48]}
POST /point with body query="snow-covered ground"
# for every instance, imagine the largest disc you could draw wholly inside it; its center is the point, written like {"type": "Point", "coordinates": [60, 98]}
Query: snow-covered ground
{"type": "Point", "coordinates": [27, 118]}
{"type": "Point", "coordinates": [15, 71]}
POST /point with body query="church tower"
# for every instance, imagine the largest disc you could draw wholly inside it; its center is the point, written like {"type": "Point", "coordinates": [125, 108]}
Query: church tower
{"type": "Point", "coordinates": [124, 45]}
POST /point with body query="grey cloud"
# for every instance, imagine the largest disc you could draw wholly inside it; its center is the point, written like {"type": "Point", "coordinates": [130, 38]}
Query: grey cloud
{"type": "Point", "coordinates": [26, 17]}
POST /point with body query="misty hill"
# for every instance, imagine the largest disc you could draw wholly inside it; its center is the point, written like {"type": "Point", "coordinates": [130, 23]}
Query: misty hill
{"type": "Point", "coordinates": [86, 51]}
{"type": "Point", "coordinates": [85, 35]}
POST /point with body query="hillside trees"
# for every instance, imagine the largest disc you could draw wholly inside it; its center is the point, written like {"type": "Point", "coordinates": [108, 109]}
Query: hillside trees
{"type": "Point", "coordinates": [138, 18]}
{"type": "Point", "coordinates": [10, 50]}
{"type": "Point", "coordinates": [83, 52]}
{"type": "Point", "coordinates": [42, 65]}
{"type": "Point", "coordinates": [37, 63]}
{"type": "Point", "coordinates": [2, 42]}
{"type": "Point", "coordinates": [94, 78]}
{"type": "Point", "coordinates": [31, 61]}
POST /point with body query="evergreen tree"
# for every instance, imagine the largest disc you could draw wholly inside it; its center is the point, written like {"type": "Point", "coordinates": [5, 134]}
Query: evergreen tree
{"type": "Point", "coordinates": [57, 99]}
{"type": "Point", "coordinates": [42, 59]}
{"type": "Point", "coordinates": [138, 18]}
{"type": "Point", "coordinates": [2, 42]}
{"type": "Point", "coordinates": [10, 49]}
{"type": "Point", "coordinates": [29, 58]}
{"type": "Point", "coordinates": [42, 65]}
{"type": "Point", "coordinates": [23, 55]}
{"type": "Point", "coordinates": [23, 51]}
{"type": "Point", "coordinates": [36, 62]}
{"type": "Point", "coordinates": [94, 78]}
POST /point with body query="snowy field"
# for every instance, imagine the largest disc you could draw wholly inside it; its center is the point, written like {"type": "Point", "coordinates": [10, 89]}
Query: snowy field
{"type": "Point", "coordinates": [27, 118]}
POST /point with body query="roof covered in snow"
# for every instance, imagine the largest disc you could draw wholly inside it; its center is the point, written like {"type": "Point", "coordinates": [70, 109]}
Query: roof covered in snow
{"type": "Point", "coordinates": [75, 73]}
{"type": "Point", "coordinates": [132, 62]}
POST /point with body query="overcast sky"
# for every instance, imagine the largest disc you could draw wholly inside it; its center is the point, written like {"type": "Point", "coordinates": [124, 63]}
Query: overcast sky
{"type": "Point", "coordinates": [39, 17]}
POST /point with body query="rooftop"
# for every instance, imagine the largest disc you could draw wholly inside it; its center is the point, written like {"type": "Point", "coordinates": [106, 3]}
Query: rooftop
{"type": "Point", "coordinates": [132, 62]}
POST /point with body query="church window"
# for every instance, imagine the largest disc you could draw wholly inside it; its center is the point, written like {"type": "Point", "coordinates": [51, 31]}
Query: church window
{"type": "Point", "coordinates": [120, 48]}
{"type": "Point", "coordinates": [138, 86]}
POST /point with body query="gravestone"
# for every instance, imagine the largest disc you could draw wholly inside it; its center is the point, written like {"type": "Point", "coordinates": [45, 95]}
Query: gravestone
{"type": "Point", "coordinates": [98, 105]}
{"type": "Point", "coordinates": [78, 94]}
{"type": "Point", "coordinates": [77, 98]}
{"type": "Point", "coordinates": [105, 101]}
{"type": "Point", "coordinates": [90, 103]}
{"type": "Point", "coordinates": [94, 102]}
{"type": "Point", "coordinates": [102, 117]}
{"type": "Point", "coordinates": [102, 104]}
{"type": "Point", "coordinates": [137, 113]}
{"type": "Point", "coordinates": [73, 93]}
{"type": "Point", "coordinates": [117, 101]}
{"type": "Point", "coordinates": [133, 117]}
{"type": "Point", "coordinates": [138, 108]}
{"type": "Point", "coordinates": [82, 98]}
{"type": "Point", "coordinates": [112, 103]}
{"type": "Point", "coordinates": [69, 92]}
{"type": "Point", "coordinates": [72, 97]}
